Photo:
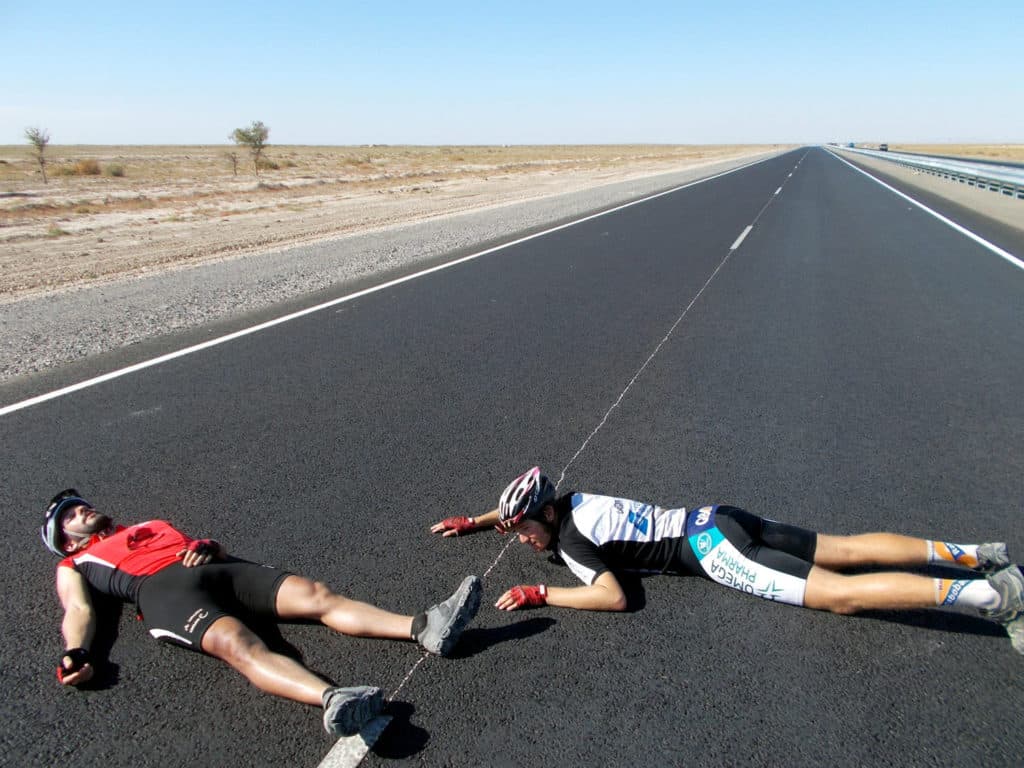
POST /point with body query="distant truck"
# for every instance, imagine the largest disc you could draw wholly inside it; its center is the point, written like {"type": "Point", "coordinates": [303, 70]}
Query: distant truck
{"type": "Point", "coordinates": [883, 147]}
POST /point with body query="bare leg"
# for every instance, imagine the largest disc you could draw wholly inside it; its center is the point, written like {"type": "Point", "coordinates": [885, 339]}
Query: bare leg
{"type": "Point", "coordinates": [837, 552]}
{"type": "Point", "coordinates": [231, 641]}
{"type": "Point", "coordinates": [828, 591]}
{"type": "Point", "coordinates": [301, 598]}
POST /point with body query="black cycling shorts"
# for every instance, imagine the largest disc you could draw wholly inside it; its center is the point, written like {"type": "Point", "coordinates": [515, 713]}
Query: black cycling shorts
{"type": "Point", "coordinates": [779, 546]}
{"type": "Point", "coordinates": [179, 604]}
{"type": "Point", "coordinates": [749, 553]}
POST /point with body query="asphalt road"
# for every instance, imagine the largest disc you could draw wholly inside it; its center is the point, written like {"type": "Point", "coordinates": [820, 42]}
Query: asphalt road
{"type": "Point", "coordinates": [853, 365]}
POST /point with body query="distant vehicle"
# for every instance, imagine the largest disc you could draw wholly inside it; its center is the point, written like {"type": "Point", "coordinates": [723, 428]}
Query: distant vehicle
{"type": "Point", "coordinates": [850, 145]}
{"type": "Point", "coordinates": [883, 147]}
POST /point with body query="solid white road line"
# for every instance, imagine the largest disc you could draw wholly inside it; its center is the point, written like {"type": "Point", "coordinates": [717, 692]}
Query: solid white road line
{"type": "Point", "coordinates": [271, 323]}
{"type": "Point", "coordinates": [949, 222]}
{"type": "Point", "coordinates": [742, 237]}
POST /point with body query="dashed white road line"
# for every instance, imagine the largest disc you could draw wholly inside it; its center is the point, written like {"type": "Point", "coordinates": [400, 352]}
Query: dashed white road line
{"type": "Point", "coordinates": [741, 238]}
{"type": "Point", "coordinates": [309, 310]}
{"type": "Point", "coordinates": [349, 754]}
{"type": "Point", "coordinates": [356, 747]}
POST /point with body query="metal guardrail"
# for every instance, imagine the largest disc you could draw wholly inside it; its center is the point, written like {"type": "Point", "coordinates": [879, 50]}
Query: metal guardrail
{"type": "Point", "coordinates": [1007, 179]}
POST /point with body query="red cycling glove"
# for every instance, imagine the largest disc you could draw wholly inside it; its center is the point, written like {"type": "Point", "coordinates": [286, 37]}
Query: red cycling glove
{"type": "Point", "coordinates": [459, 524]}
{"type": "Point", "coordinates": [529, 597]}
{"type": "Point", "coordinates": [204, 547]}
{"type": "Point", "coordinates": [79, 658]}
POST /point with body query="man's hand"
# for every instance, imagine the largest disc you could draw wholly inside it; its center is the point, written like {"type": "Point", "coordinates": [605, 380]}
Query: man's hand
{"type": "Point", "coordinates": [199, 552]}
{"type": "Point", "coordinates": [454, 526]}
{"type": "Point", "coordinates": [74, 667]}
{"type": "Point", "coordinates": [523, 596]}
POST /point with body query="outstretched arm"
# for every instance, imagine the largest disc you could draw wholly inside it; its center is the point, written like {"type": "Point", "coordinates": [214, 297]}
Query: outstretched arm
{"type": "Point", "coordinates": [78, 627]}
{"type": "Point", "coordinates": [456, 526]}
{"type": "Point", "coordinates": [605, 594]}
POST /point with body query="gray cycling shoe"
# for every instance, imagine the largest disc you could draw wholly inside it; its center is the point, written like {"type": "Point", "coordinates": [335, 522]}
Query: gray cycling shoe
{"type": "Point", "coordinates": [992, 557]}
{"type": "Point", "coordinates": [347, 710]}
{"type": "Point", "coordinates": [1009, 583]}
{"type": "Point", "coordinates": [1015, 629]}
{"type": "Point", "coordinates": [445, 621]}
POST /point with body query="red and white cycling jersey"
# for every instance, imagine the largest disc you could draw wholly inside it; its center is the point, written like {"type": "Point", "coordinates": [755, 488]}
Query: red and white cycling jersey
{"type": "Point", "coordinates": [116, 564]}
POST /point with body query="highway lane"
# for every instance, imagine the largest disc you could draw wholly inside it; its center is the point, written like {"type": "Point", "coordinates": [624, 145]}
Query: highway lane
{"type": "Point", "coordinates": [828, 374]}
{"type": "Point", "coordinates": [969, 212]}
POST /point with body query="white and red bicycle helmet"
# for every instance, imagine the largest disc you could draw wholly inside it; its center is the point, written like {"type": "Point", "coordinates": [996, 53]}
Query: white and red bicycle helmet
{"type": "Point", "coordinates": [525, 497]}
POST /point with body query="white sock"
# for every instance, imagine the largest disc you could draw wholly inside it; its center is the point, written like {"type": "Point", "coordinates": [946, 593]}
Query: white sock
{"type": "Point", "coordinates": [966, 593]}
{"type": "Point", "coordinates": [957, 554]}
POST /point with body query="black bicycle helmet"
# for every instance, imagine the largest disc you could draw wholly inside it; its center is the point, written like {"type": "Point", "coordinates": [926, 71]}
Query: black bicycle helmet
{"type": "Point", "coordinates": [52, 532]}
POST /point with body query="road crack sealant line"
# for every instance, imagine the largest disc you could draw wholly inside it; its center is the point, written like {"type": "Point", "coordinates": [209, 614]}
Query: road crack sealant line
{"type": "Point", "coordinates": [603, 421]}
{"type": "Point", "coordinates": [1015, 261]}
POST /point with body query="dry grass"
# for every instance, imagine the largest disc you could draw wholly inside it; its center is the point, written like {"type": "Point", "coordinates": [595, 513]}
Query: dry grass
{"type": "Point", "coordinates": [1013, 153]}
{"type": "Point", "coordinates": [187, 170]}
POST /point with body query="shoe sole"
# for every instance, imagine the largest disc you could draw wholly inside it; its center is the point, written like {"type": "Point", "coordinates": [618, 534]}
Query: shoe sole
{"type": "Point", "coordinates": [352, 714]}
{"type": "Point", "coordinates": [469, 603]}
{"type": "Point", "coordinates": [1014, 586]}
{"type": "Point", "coordinates": [991, 566]}
{"type": "Point", "coordinates": [1015, 629]}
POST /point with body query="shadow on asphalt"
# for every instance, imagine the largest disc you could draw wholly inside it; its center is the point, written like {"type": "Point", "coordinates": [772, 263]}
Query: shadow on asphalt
{"type": "Point", "coordinates": [108, 620]}
{"type": "Point", "coordinates": [474, 641]}
{"type": "Point", "coordinates": [632, 584]}
{"type": "Point", "coordinates": [939, 621]}
{"type": "Point", "coordinates": [401, 738]}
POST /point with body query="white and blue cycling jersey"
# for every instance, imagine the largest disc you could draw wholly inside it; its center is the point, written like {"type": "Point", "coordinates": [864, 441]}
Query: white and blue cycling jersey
{"type": "Point", "coordinates": [725, 544]}
{"type": "Point", "coordinates": [601, 533]}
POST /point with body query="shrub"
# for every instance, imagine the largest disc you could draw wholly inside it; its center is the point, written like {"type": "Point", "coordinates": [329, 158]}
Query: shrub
{"type": "Point", "coordinates": [266, 165]}
{"type": "Point", "coordinates": [39, 138]}
{"type": "Point", "coordinates": [87, 168]}
{"type": "Point", "coordinates": [115, 169]}
{"type": "Point", "coordinates": [255, 138]}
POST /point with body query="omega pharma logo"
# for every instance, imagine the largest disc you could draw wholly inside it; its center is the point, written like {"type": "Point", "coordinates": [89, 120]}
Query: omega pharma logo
{"type": "Point", "coordinates": [704, 543]}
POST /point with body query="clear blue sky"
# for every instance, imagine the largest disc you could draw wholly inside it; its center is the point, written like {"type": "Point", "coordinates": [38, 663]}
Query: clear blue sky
{"type": "Point", "coordinates": [527, 72]}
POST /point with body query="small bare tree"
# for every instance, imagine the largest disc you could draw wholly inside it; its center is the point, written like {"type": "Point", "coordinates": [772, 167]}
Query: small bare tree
{"type": "Point", "coordinates": [39, 138]}
{"type": "Point", "coordinates": [255, 138]}
{"type": "Point", "coordinates": [233, 159]}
